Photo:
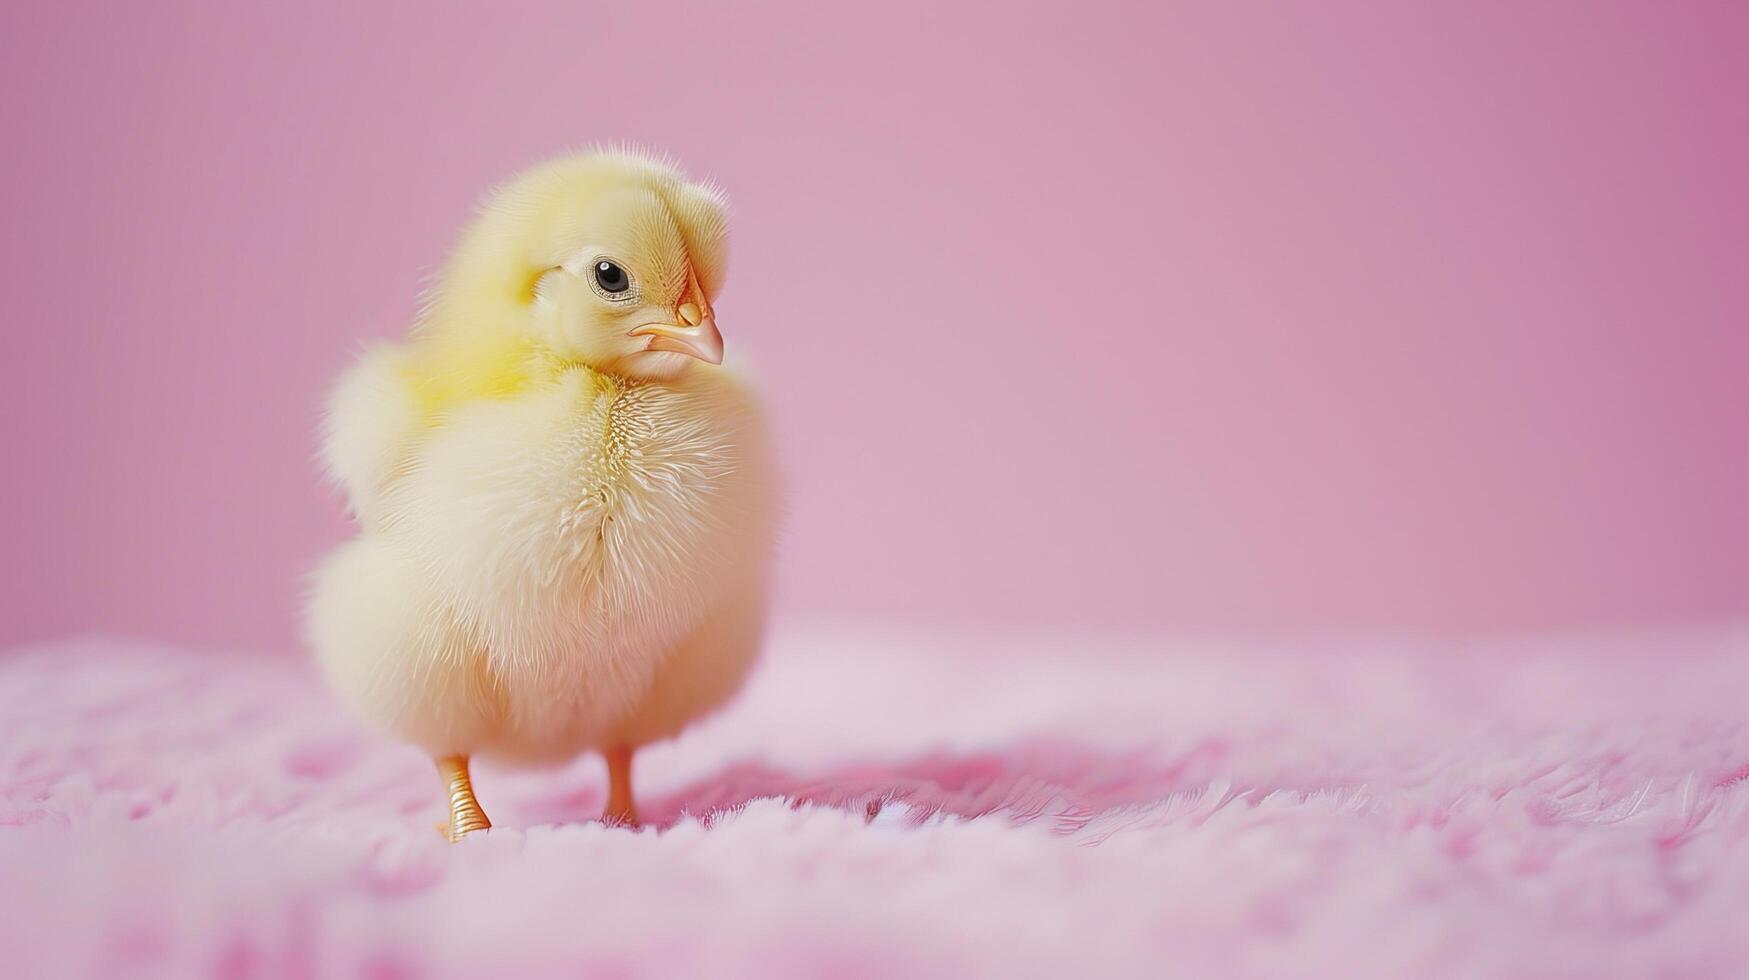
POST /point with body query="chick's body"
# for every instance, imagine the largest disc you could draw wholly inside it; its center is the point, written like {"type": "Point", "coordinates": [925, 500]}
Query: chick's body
{"type": "Point", "coordinates": [565, 528]}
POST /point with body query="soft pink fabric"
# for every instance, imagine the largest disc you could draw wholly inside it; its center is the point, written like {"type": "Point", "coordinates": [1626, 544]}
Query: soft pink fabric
{"type": "Point", "coordinates": [885, 804]}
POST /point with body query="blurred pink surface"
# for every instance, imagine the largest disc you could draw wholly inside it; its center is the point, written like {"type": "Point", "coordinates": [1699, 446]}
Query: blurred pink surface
{"type": "Point", "coordinates": [1148, 316]}
{"type": "Point", "coordinates": [902, 806]}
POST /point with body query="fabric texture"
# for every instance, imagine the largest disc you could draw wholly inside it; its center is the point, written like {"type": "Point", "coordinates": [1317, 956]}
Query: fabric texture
{"type": "Point", "coordinates": [881, 803]}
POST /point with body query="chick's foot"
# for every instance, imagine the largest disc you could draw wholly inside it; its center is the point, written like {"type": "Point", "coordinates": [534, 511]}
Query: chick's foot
{"type": "Point", "coordinates": [465, 815]}
{"type": "Point", "coordinates": [621, 811]}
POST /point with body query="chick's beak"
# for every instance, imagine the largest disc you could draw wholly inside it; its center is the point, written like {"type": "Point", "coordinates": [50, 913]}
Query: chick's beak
{"type": "Point", "coordinates": [695, 335]}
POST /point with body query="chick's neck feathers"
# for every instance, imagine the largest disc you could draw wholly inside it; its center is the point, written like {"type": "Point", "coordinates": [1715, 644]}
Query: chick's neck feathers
{"type": "Point", "coordinates": [472, 339]}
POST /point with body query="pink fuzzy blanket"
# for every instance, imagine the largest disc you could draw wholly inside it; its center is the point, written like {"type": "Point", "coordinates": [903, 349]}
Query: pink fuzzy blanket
{"type": "Point", "coordinates": [892, 805]}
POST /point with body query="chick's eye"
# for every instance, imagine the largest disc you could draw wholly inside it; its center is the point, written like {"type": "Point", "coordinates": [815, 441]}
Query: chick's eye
{"type": "Point", "coordinates": [611, 278]}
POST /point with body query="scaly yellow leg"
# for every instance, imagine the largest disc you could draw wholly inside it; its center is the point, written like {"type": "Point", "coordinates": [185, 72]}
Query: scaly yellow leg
{"type": "Point", "coordinates": [620, 808]}
{"type": "Point", "coordinates": [465, 815]}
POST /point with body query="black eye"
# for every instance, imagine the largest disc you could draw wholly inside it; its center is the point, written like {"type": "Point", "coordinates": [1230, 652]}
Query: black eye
{"type": "Point", "coordinates": [611, 278]}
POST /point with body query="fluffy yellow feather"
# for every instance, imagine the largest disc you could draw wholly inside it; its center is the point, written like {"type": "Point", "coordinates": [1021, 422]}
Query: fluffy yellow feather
{"type": "Point", "coordinates": [566, 505]}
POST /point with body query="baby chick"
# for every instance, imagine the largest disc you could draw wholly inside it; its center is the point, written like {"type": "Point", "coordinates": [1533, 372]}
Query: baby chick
{"type": "Point", "coordinates": [566, 505]}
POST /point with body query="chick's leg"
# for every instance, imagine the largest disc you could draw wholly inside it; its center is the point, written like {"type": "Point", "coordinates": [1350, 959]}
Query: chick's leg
{"type": "Point", "coordinates": [465, 815]}
{"type": "Point", "coordinates": [620, 808]}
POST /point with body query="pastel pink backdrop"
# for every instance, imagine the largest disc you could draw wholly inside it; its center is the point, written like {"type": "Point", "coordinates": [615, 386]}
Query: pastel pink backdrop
{"type": "Point", "coordinates": [1142, 317]}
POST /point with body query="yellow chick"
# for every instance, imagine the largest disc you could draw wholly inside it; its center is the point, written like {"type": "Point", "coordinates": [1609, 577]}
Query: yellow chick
{"type": "Point", "coordinates": [566, 505]}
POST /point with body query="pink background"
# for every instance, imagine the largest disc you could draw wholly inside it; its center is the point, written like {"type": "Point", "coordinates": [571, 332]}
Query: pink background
{"type": "Point", "coordinates": [1138, 318]}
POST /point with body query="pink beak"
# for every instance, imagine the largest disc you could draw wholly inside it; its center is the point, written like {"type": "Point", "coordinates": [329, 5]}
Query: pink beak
{"type": "Point", "coordinates": [696, 335]}
{"type": "Point", "coordinates": [702, 341]}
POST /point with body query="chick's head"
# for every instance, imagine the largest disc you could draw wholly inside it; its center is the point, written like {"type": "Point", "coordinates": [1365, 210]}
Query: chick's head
{"type": "Point", "coordinates": [609, 259]}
